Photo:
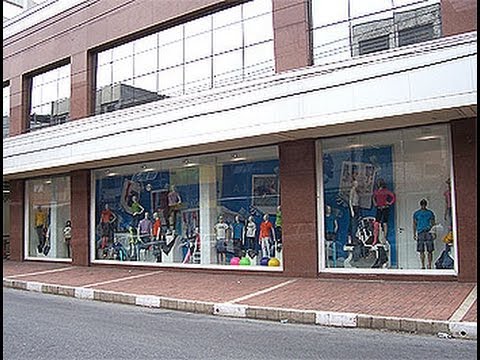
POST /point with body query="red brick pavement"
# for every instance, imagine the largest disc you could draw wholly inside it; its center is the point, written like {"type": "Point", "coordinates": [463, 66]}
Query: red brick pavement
{"type": "Point", "coordinates": [419, 300]}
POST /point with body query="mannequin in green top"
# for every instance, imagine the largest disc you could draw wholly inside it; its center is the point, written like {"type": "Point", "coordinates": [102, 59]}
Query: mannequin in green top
{"type": "Point", "coordinates": [136, 210]}
{"type": "Point", "coordinates": [278, 228]}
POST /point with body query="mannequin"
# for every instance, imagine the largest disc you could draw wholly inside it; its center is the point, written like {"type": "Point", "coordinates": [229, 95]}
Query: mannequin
{"type": "Point", "coordinates": [136, 210]}
{"type": "Point", "coordinates": [144, 233]}
{"type": "Point", "coordinates": [278, 228]}
{"type": "Point", "coordinates": [382, 199]}
{"type": "Point", "coordinates": [266, 236]}
{"type": "Point", "coordinates": [169, 240]}
{"type": "Point", "coordinates": [174, 204]}
{"type": "Point", "coordinates": [220, 230]}
{"type": "Point", "coordinates": [157, 236]}
{"type": "Point", "coordinates": [423, 221]}
{"type": "Point", "coordinates": [107, 217]}
{"type": "Point", "coordinates": [250, 234]}
{"type": "Point", "coordinates": [40, 226]}
{"type": "Point", "coordinates": [447, 216]}
{"type": "Point", "coordinates": [238, 236]}
{"type": "Point", "coordinates": [354, 205]}
{"type": "Point", "coordinates": [67, 236]}
{"type": "Point", "coordinates": [331, 229]}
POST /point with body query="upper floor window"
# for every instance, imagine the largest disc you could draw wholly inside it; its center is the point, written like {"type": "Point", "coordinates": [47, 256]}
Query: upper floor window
{"type": "Point", "coordinates": [6, 111]}
{"type": "Point", "coordinates": [356, 27]}
{"type": "Point", "coordinates": [222, 48]}
{"type": "Point", "coordinates": [50, 98]}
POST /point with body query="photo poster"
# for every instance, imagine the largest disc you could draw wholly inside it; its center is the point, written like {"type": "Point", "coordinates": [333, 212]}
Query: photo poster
{"type": "Point", "coordinates": [250, 189]}
{"type": "Point", "coordinates": [366, 165]}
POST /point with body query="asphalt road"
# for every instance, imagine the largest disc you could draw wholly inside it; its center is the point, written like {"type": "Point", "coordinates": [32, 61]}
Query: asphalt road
{"type": "Point", "coordinates": [42, 326]}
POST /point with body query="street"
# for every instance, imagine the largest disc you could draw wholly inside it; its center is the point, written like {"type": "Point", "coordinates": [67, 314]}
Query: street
{"type": "Point", "coordinates": [42, 326]}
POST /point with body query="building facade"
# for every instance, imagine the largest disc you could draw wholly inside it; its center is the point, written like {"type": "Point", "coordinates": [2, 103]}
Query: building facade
{"type": "Point", "coordinates": [306, 138]}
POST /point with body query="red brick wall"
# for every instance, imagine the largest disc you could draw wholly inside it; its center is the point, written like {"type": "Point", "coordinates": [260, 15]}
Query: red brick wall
{"type": "Point", "coordinates": [291, 34]}
{"type": "Point", "coordinates": [80, 198]}
{"type": "Point", "coordinates": [458, 16]}
{"type": "Point", "coordinates": [464, 140]}
{"type": "Point", "coordinates": [17, 191]}
{"type": "Point", "coordinates": [298, 201]}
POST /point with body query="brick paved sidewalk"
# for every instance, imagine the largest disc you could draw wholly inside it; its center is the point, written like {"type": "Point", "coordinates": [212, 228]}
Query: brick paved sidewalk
{"type": "Point", "coordinates": [426, 307]}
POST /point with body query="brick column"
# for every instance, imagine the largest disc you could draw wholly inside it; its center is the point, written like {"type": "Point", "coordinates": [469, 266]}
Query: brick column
{"type": "Point", "coordinates": [18, 105]}
{"type": "Point", "coordinates": [458, 16]}
{"type": "Point", "coordinates": [291, 34]}
{"type": "Point", "coordinates": [299, 209]}
{"type": "Point", "coordinates": [17, 222]}
{"type": "Point", "coordinates": [81, 68]}
{"type": "Point", "coordinates": [80, 206]}
{"type": "Point", "coordinates": [464, 141]}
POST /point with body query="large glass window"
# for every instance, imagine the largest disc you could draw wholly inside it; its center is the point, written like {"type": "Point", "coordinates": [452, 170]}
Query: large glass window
{"type": "Point", "coordinates": [356, 27]}
{"type": "Point", "coordinates": [219, 209]}
{"type": "Point", "coordinates": [50, 98]}
{"type": "Point", "coordinates": [386, 200]}
{"type": "Point", "coordinates": [48, 222]}
{"type": "Point", "coordinates": [6, 111]}
{"type": "Point", "coordinates": [228, 46]}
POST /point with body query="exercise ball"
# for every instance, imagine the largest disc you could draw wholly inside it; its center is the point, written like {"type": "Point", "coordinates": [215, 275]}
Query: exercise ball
{"type": "Point", "coordinates": [244, 261]}
{"type": "Point", "coordinates": [264, 261]}
{"type": "Point", "coordinates": [273, 262]}
{"type": "Point", "coordinates": [235, 260]}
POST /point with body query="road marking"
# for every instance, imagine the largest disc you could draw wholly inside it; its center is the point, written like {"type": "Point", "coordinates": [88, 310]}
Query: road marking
{"type": "Point", "coordinates": [39, 272]}
{"type": "Point", "coordinates": [260, 292]}
{"type": "Point", "coordinates": [465, 306]}
{"type": "Point", "coordinates": [121, 279]}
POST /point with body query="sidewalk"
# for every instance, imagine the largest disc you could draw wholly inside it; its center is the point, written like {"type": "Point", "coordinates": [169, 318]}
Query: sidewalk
{"type": "Point", "coordinates": [449, 308]}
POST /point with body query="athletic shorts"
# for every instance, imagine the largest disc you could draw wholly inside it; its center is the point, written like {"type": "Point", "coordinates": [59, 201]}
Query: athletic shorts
{"type": "Point", "coordinates": [105, 229]}
{"type": "Point", "coordinates": [221, 246]}
{"type": "Point", "coordinates": [425, 240]}
{"type": "Point", "coordinates": [382, 214]}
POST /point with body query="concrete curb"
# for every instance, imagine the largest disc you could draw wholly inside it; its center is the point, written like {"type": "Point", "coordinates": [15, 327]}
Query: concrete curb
{"type": "Point", "coordinates": [447, 329]}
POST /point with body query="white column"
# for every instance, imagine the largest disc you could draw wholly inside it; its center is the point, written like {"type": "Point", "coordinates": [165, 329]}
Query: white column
{"type": "Point", "coordinates": [208, 211]}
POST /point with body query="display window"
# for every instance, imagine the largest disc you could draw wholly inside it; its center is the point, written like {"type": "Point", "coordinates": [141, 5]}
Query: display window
{"type": "Point", "coordinates": [385, 201]}
{"type": "Point", "coordinates": [220, 209]}
{"type": "Point", "coordinates": [48, 223]}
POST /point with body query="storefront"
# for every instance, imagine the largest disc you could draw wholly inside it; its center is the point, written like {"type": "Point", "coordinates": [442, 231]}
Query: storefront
{"type": "Point", "coordinates": [371, 186]}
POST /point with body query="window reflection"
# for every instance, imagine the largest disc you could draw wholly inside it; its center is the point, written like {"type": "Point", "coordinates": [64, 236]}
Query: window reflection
{"type": "Point", "coordinates": [6, 111]}
{"type": "Point", "coordinates": [357, 27]}
{"type": "Point", "coordinates": [50, 98]}
{"type": "Point", "coordinates": [224, 46]}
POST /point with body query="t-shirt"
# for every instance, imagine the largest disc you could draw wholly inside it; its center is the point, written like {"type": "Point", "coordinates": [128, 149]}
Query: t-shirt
{"type": "Point", "coordinates": [265, 229]}
{"type": "Point", "coordinates": [424, 219]}
{"type": "Point", "coordinates": [221, 229]}
{"type": "Point", "coordinates": [278, 219]}
{"type": "Point", "coordinates": [145, 227]}
{"type": "Point", "coordinates": [383, 197]}
{"type": "Point", "coordinates": [67, 232]}
{"type": "Point", "coordinates": [135, 207]}
{"type": "Point", "coordinates": [40, 218]}
{"type": "Point", "coordinates": [173, 198]}
{"type": "Point", "coordinates": [106, 215]}
{"type": "Point", "coordinates": [156, 226]}
{"type": "Point", "coordinates": [237, 230]}
{"type": "Point", "coordinates": [330, 223]}
{"type": "Point", "coordinates": [251, 229]}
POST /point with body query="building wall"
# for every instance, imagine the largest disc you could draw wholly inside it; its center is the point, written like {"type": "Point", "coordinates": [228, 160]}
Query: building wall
{"type": "Point", "coordinates": [458, 16]}
{"type": "Point", "coordinates": [73, 33]}
{"type": "Point", "coordinates": [464, 139]}
{"type": "Point", "coordinates": [292, 36]}
{"type": "Point", "coordinates": [80, 205]}
{"type": "Point", "coordinates": [298, 189]}
{"type": "Point", "coordinates": [17, 192]}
